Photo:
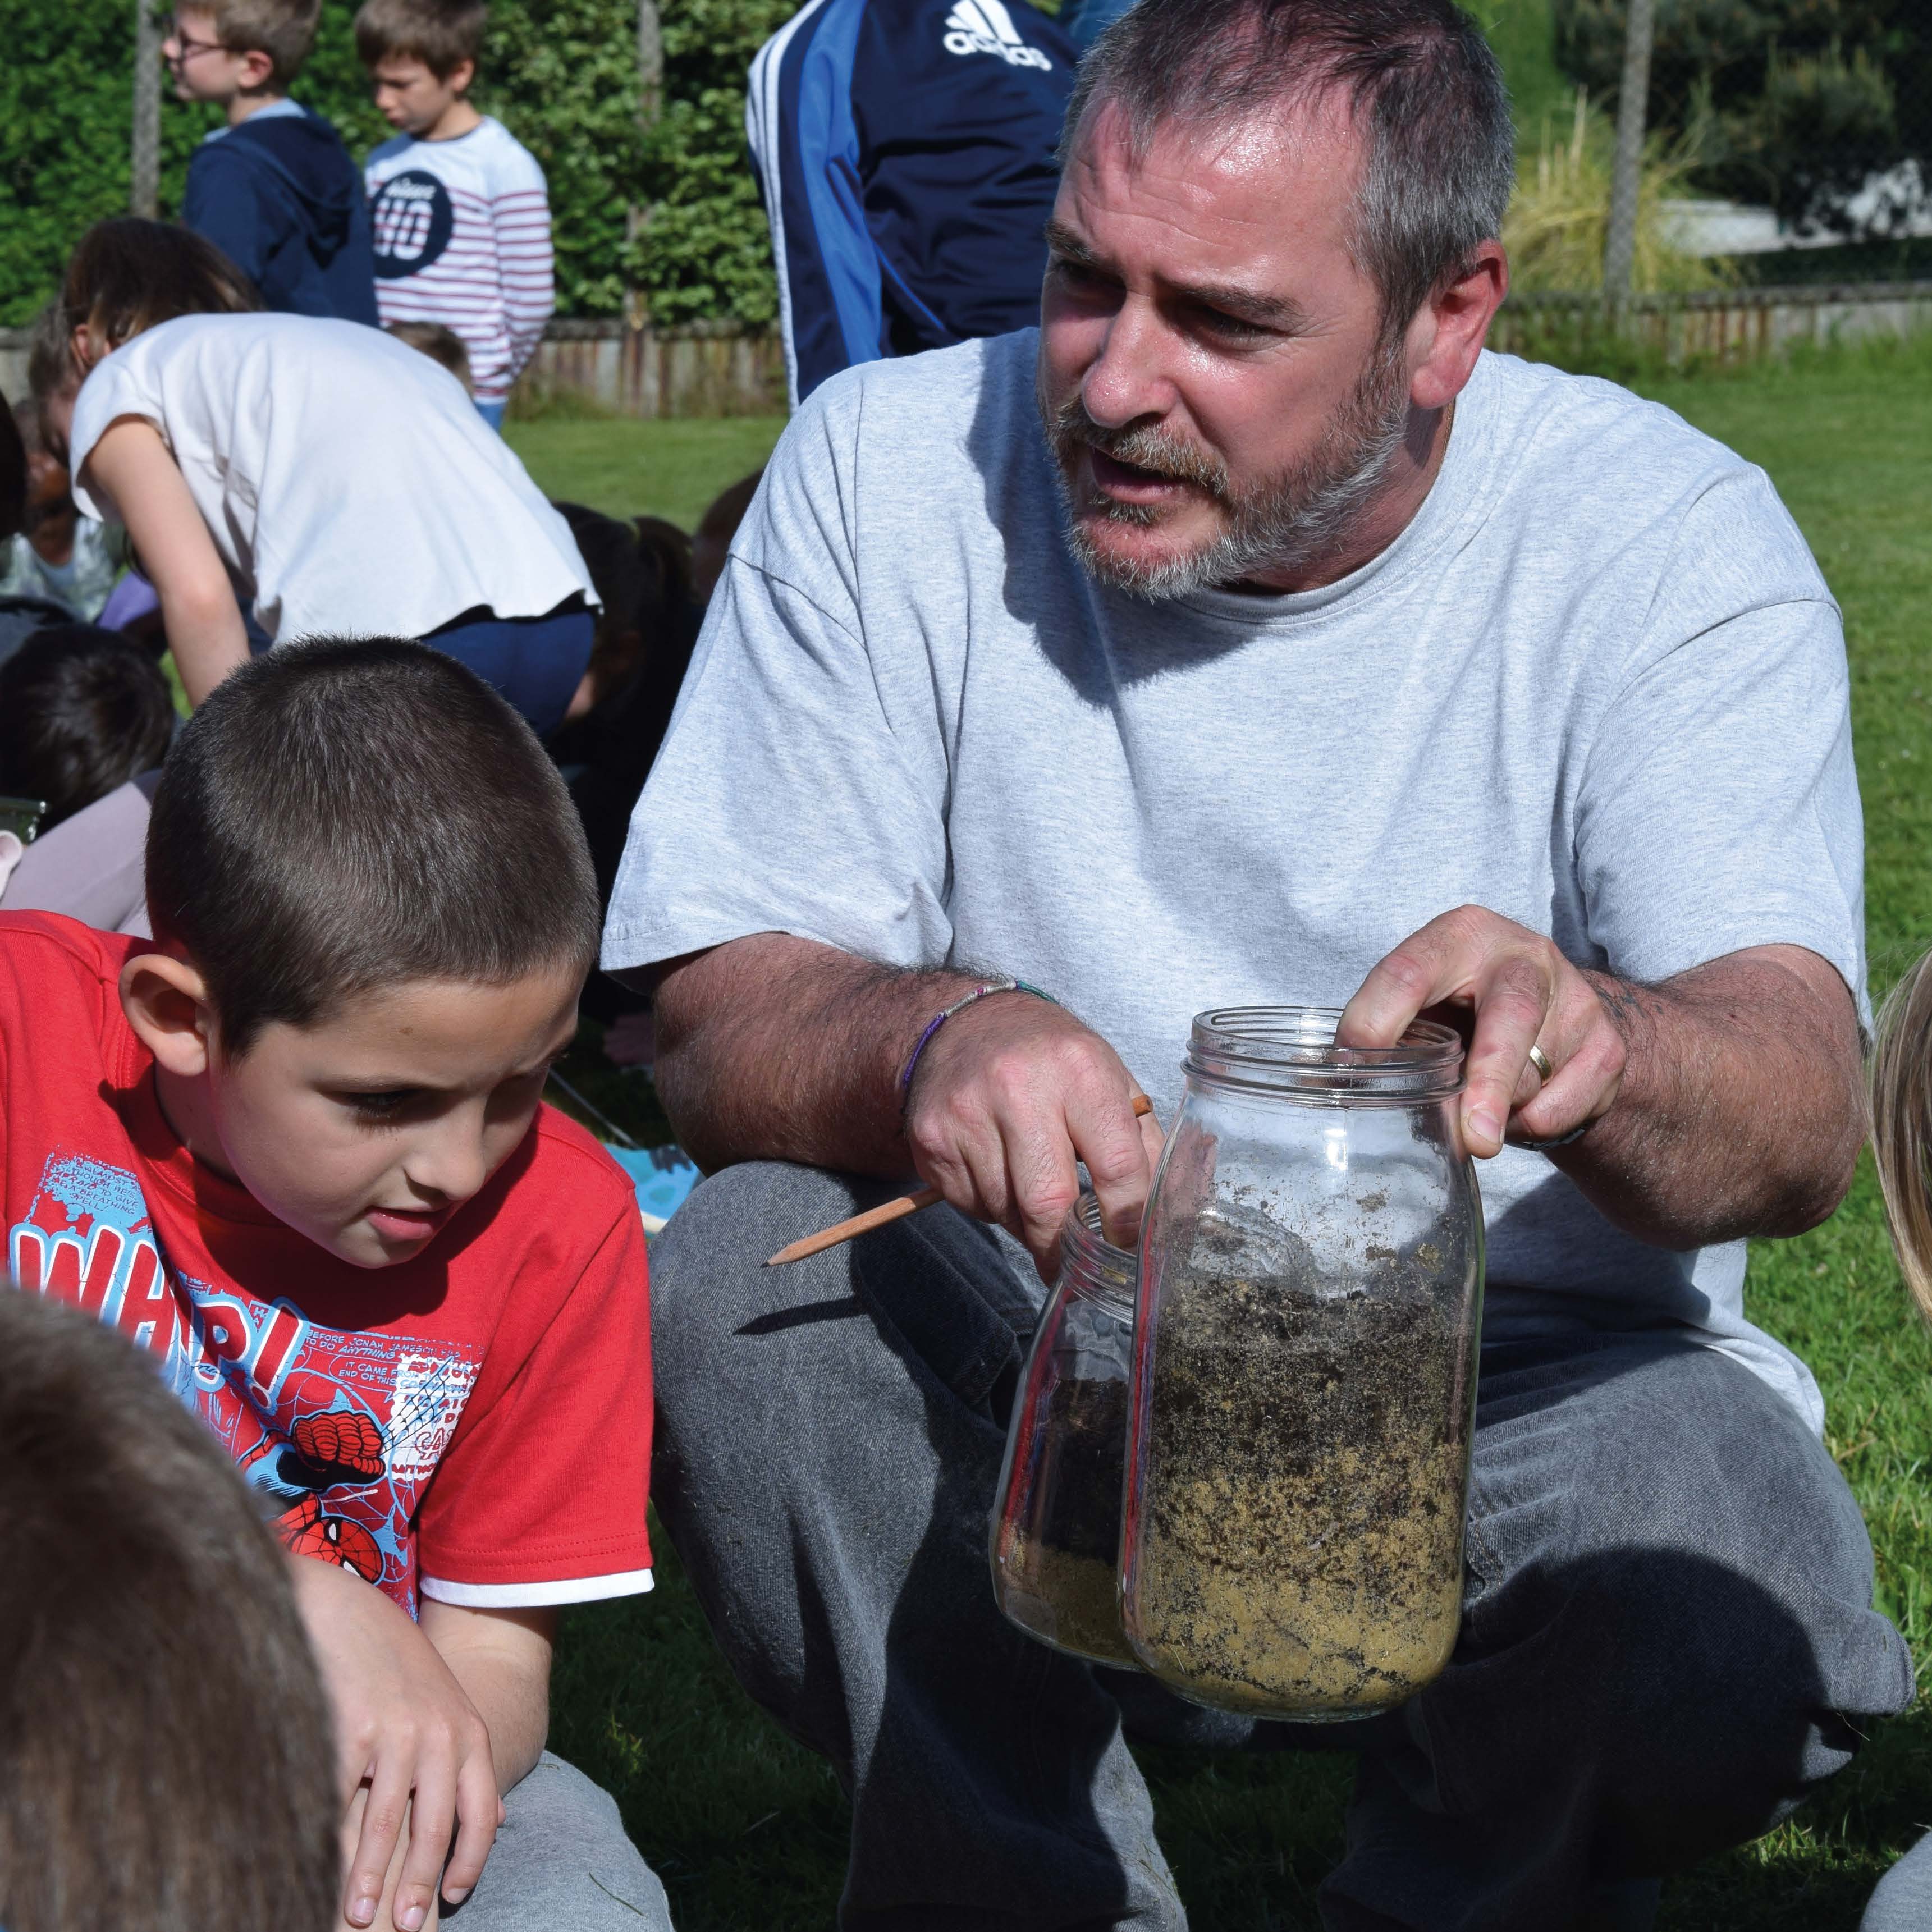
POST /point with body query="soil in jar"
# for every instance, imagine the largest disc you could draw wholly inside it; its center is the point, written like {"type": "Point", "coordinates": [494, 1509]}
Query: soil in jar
{"type": "Point", "coordinates": [1059, 1569]}
{"type": "Point", "coordinates": [1301, 1528]}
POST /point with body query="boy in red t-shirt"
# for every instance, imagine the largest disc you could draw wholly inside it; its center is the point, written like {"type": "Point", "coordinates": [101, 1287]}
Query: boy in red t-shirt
{"type": "Point", "coordinates": [294, 1148]}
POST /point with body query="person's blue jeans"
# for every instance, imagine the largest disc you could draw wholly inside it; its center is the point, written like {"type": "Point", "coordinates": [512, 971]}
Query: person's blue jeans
{"type": "Point", "coordinates": [1667, 1636]}
{"type": "Point", "coordinates": [537, 663]}
{"type": "Point", "coordinates": [492, 413]}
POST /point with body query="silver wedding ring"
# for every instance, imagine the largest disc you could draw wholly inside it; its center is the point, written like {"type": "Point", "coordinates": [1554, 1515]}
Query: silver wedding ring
{"type": "Point", "coordinates": [1540, 1060]}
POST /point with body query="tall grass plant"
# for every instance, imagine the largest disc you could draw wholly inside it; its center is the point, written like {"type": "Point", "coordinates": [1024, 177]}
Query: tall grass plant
{"type": "Point", "coordinates": [1557, 223]}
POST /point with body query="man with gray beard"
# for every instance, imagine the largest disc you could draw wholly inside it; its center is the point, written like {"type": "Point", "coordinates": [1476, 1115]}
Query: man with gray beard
{"type": "Point", "coordinates": [1248, 635]}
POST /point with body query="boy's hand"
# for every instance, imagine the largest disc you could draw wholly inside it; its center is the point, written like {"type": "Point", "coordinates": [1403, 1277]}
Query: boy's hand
{"type": "Point", "coordinates": [350, 1836]}
{"type": "Point", "coordinates": [405, 1729]}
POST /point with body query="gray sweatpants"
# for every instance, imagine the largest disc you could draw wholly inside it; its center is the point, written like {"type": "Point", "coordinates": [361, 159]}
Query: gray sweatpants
{"type": "Point", "coordinates": [561, 1860]}
{"type": "Point", "coordinates": [1667, 1639]}
{"type": "Point", "coordinates": [1902, 1902]}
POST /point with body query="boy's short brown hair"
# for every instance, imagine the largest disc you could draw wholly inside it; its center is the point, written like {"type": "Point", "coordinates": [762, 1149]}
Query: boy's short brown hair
{"type": "Point", "coordinates": [165, 1756]}
{"type": "Point", "coordinates": [344, 814]}
{"type": "Point", "coordinates": [439, 344]}
{"type": "Point", "coordinates": [441, 33]}
{"type": "Point", "coordinates": [284, 30]}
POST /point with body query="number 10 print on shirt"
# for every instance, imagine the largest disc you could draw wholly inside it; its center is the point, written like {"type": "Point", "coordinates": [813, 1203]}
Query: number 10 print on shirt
{"type": "Point", "coordinates": [412, 216]}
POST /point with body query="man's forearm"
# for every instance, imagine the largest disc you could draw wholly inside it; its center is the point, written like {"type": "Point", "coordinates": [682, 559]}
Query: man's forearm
{"type": "Point", "coordinates": [774, 1048]}
{"type": "Point", "coordinates": [771, 1048]}
{"type": "Point", "coordinates": [1739, 1112]}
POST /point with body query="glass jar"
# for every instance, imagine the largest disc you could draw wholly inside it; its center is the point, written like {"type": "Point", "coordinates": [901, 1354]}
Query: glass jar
{"type": "Point", "coordinates": [1305, 1371]}
{"type": "Point", "coordinates": [1057, 1531]}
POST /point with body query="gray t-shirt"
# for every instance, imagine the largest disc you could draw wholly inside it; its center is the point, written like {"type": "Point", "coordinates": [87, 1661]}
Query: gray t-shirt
{"type": "Point", "coordinates": [1598, 685]}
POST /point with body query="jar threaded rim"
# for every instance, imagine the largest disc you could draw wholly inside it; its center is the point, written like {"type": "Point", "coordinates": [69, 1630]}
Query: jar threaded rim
{"type": "Point", "coordinates": [1089, 1264]}
{"type": "Point", "coordinates": [1291, 1050]}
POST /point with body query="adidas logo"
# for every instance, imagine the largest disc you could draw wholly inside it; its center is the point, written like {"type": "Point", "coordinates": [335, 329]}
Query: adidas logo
{"type": "Point", "coordinates": [985, 27]}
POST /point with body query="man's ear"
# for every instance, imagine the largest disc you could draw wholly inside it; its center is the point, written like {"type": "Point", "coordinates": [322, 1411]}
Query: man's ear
{"type": "Point", "coordinates": [461, 76]}
{"type": "Point", "coordinates": [166, 1003]}
{"type": "Point", "coordinates": [257, 71]}
{"type": "Point", "coordinates": [1448, 334]}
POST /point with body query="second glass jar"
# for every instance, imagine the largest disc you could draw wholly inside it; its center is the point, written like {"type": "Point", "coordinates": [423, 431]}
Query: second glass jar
{"type": "Point", "coordinates": [1056, 1526]}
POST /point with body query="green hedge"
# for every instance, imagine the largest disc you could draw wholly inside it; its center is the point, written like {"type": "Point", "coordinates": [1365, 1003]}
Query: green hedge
{"type": "Point", "coordinates": [560, 74]}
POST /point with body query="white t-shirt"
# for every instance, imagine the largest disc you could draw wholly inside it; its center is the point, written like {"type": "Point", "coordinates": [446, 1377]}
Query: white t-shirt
{"type": "Point", "coordinates": [1598, 685]}
{"type": "Point", "coordinates": [346, 479]}
{"type": "Point", "coordinates": [462, 237]}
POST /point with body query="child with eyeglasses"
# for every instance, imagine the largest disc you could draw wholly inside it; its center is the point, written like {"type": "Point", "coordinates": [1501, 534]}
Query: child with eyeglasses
{"type": "Point", "coordinates": [274, 189]}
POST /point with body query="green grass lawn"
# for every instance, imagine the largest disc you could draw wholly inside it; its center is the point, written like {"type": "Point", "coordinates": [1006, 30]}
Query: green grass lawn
{"type": "Point", "coordinates": [669, 469]}
{"type": "Point", "coordinates": [748, 1830]}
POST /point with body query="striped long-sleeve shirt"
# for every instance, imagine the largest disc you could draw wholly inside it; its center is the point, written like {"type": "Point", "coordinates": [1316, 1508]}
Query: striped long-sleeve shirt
{"type": "Point", "coordinates": [462, 233]}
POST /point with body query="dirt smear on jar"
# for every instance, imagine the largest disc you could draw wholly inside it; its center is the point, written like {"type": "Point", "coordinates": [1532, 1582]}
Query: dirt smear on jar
{"type": "Point", "coordinates": [1301, 1534]}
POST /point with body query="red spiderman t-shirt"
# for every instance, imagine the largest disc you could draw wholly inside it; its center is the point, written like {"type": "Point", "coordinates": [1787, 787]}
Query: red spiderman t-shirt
{"type": "Point", "coordinates": [473, 1424]}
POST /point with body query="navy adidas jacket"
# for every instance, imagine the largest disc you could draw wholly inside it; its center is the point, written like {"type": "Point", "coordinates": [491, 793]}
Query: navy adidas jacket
{"type": "Point", "coordinates": [905, 151]}
{"type": "Point", "coordinates": [280, 197]}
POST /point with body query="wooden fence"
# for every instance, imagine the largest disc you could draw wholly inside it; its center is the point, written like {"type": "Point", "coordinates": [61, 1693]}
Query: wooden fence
{"type": "Point", "coordinates": [707, 369]}
{"type": "Point", "coordinates": [1718, 325]}
{"type": "Point", "coordinates": [713, 369]}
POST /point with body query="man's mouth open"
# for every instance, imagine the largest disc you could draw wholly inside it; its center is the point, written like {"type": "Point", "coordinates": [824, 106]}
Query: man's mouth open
{"type": "Point", "coordinates": [1129, 483]}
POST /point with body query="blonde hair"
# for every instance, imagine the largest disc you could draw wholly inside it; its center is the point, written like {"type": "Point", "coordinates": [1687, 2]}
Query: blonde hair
{"type": "Point", "coordinates": [1901, 1107]}
{"type": "Point", "coordinates": [284, 30]}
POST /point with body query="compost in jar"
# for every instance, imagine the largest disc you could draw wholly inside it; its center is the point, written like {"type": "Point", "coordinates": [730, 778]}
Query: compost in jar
{"type": "Point", "coordinates": [1305, 1372]}
{"type": "Point", "coordinates": [1056, 1529]}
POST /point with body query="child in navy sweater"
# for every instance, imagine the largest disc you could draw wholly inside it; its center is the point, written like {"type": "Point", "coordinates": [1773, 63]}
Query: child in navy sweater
{"type": "Point", "coordinates": [274, 190]}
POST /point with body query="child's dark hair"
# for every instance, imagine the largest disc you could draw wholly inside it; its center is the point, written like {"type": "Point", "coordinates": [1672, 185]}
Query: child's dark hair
{"type": "Point", "coordinates": [125, 275]}
{"type": "Point", "coordinates": [165, 1755]}
{"type": "Point", "coordinates": [81, 711]}
{"type": "Point", "coordinates": [626, 581]}
{"type": "Point", "coordinates": [345, 814]}
{"type": "Point", "coordinates": [441, 33]}
{"type": "Point", "coordinates": [719, 524]}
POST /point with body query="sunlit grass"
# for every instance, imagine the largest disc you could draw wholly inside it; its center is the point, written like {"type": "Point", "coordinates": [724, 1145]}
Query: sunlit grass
{"type": "Point", "coordinates": [669, 468]}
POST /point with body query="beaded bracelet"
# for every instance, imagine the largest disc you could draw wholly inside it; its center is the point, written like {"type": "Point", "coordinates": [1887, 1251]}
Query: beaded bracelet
{"type": "Point", "coordinates": [984, 990]}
